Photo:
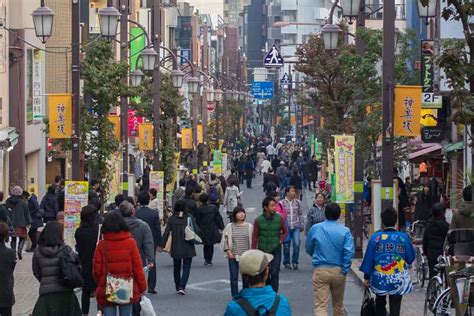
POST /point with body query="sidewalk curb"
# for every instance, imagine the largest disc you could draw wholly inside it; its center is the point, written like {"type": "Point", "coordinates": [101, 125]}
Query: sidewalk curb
{"type": "Point", "coordinates": [358, 276]}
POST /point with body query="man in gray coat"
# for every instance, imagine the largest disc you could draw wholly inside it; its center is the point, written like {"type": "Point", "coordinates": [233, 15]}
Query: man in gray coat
{"type": "Point", "coordinates": [141, 232]}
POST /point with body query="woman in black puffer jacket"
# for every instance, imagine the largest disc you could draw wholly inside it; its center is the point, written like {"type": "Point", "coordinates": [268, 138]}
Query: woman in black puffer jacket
{"type": "Point", "coordinates": [54, 298]}
{"type": "Point", "coordinates": [434, 236]}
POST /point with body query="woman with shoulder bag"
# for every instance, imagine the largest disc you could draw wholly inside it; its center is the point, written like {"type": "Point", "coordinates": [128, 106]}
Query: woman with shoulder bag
{"type": "Point", "coordinates": [182, 250]}
{"type": "Point", "coordinates": [236, 239]}
{"type": "Point", "coordinates": [55, 297]}
{"type": "Point", "coordinates": [117, 268]}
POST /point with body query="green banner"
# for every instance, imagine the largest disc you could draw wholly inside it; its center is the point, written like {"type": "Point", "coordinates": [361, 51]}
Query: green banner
{"type": "Point", "coordinates": [137, 44]}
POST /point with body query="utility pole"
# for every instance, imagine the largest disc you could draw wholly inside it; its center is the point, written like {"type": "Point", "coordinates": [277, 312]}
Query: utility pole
{"type": "Point", "coordinates": [76, 91]}
{"type": "Point", "coordinates": [359, 161]}
{"type": "Point", "coordinates": [156, 31]}
{"type": "Point", "coordinates": [388, 101]}
{"type": "Point", "coordinates": [123, 8]}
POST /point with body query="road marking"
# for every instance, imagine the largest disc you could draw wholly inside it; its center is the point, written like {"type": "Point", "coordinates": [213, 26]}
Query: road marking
{"type": "Point", "coordinates": [207, 285]}
{"type": "Point", "coordinates": [250, 209]}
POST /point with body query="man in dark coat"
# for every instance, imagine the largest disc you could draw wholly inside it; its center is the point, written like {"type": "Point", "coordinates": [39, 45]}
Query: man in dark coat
{"type": "Point", "coordinates": [210, 223]}
{"type": "Point", "coordinates": [7, 265]}
{"type": "Point", "coordinates": [49, 205]}
{"type": "Point", "coordinates": [188, 199]}
{"type": "Point", "coordinates": [37, 220]}
{"type": "Point", "coordinates": [3, 210]}
{"type": "Point", "coordinates": [152, 218]}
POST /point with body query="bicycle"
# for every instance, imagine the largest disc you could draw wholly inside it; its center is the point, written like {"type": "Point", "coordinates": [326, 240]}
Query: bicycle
{"type": "Point", "coordinates": [421, 263]}
{"type": "Point", "coordinates": [436, 285]}
{"type": "Point", "coordinates": [367, 220]}
{"type": "Point", "coordinates": [444, 304]}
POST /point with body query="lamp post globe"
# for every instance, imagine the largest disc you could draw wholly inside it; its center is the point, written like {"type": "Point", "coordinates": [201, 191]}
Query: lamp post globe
{"type": "Point", "coordinates": [427, 8]}
{"type": "Point", "coordinates": [43, 23]}
{"type": "Point", "coordinates": [218, 95]}
{"type": "Point", "coordinates": [193, 85]}
{"type": "Point", "coordinates": [330, 33]}
{"type": "Point", "coordinates": [149, 56]}
{"type": "Point", "coordinates": [136, 77]}
{"type": "Point", "coordinates": [108, 21]}
{"type": "Point", "coordinates": [235, 95]}
{"type": "Point", "coordinates": [350, 8]}
{"type": "Point", "coordinates": [228, 94]}
{"type": "Point", "coordinates": [210, 94]}
{"type": "Point", "coordinates": [177, 77]}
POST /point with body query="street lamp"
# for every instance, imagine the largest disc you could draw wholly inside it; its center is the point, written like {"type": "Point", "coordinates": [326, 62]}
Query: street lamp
{"type": "Point", "coordinates": [210, 94]}
{"type": "Point", "coordinates": [427, 8]}
{"type": "Point", "coordinates": [218, 95]}
{"type": "Point", "coordinates": [108, 21]}
{"type": "Point", "coordinates": [177, 77]}
{"type": "Point", "coordinates": [330, 33]}
{"type": "Point", "coordinates": [350, 9]}
{"type": "Point", "coordinates": [136, 77]}
{"type": "Point", "coordinates": [43, 22]}
{"type": "Point", "coordinates": [193, 85]}
{"type": "Point", "coordinates": [235, 95]}
{"type": "Point", "coordinates": [149, 56]}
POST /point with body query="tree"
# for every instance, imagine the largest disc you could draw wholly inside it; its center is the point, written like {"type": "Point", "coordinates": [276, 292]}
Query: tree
{"type": "Point", "coordinates": [171, 109]}
{"type": "Point", "coordinates": [346, 85]}
{"type": "Point", "coordinates": [102, 90]}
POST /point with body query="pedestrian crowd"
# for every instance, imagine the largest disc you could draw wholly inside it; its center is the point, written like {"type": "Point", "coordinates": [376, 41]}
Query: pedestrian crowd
{"type": "Point", "coordinates": [114, 258]}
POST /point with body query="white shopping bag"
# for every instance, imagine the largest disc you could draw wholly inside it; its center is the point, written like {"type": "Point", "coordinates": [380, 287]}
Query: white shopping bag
{"type": "Point", "coordinates": [147, 307]}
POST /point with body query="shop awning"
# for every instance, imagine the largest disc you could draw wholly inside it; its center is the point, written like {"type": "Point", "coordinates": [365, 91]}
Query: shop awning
{"type": "Point", "coordinates": [453, 147]}
{"type": "Point", "coordinates": [424, 151]}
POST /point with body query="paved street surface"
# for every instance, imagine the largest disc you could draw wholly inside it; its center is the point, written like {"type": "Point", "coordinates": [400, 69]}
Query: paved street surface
{"type": "Point", "coordinates": [209, 289]}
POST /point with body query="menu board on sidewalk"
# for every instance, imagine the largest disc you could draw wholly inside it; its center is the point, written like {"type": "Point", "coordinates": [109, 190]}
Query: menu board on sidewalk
{"type": "Point", "coordinates": [75, 198]}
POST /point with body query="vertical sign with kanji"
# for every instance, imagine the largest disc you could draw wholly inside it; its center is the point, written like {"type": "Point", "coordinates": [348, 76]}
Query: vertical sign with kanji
{"type": "Point", "coordinates": [407, 111]}
{"type": "Point", "coordinates": [344, 151]}
{"type": "Point", "coordinates": [60, 115]}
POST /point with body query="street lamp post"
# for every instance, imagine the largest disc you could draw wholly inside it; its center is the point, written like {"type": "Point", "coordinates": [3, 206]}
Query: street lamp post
{"type": "Point", "coordinates": [388, 77]}
{"type": "Point", "coordinates": [76, 97]}
{"type": "Point", "coordinates": [156, 38]}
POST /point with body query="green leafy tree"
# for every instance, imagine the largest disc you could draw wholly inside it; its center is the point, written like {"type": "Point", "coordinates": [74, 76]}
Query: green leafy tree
{"type": "Point", "coordinates": [171, 108]}
{"type": "Point", "coordinates": [102, 88]}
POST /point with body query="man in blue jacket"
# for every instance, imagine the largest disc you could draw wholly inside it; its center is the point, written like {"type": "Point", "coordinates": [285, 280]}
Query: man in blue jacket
{"type": "Point", "coordinates": [331, 247]}
{"type": "Point", "coordinates": [258, 299]}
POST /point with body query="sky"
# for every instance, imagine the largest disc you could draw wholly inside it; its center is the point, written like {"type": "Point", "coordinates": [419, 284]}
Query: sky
{"type": "Point", "coordinates": [213, 7]}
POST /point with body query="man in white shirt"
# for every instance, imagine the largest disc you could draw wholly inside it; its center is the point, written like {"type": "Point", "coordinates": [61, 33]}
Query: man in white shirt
{"type": "Point", "coordinates": [270, 151]}
{"type": "Point", "coordinates": [266, 164]}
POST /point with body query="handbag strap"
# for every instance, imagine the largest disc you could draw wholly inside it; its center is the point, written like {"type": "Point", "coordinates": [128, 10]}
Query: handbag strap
{"type": "Point", "coordinates": [105, 256]}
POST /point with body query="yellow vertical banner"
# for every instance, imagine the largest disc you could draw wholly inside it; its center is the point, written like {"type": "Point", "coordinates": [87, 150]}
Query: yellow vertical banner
{"type": "Point", "coordinates": [186, 138]}
{"type": "Point", "coordinates": [344, 161]}
{"type": "Point", "coordinates": [221, 143]}
{"type": "Point", "coordinates": [145, 136]}
{"type": "Point", "coordinates": [115, 120]}
{"type": "Point", "coordinates": [157, 180]}
{"type": "Point", "coordinates": [115, 166]}
{"type": "Point", "coordinates": [60, 115]}
{"type": "Point", "coordinates": [200, 134]}
{"type": "Point", "coordinates": [407, 111]}
{"type": "Point", "coordinates": [170, 186]}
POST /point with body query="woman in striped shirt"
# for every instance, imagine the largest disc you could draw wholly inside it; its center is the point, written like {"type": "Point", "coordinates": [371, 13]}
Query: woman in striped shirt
{"type": "Point", "coordinates": [236, 239]}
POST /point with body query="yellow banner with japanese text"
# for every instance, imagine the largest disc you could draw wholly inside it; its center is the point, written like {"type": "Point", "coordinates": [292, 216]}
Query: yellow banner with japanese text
{"type": "Point", "coordinates": [186, 138]}
{"type": "Point", "coordinates": [145, 136]}
{"type": "Point", "coordinates": [200, 134]}
{"type": "Point", "coordinates": [115, 120]}
{"type": "Point", "coordinates": [344, 161]}
{"type": "Point", "coordinates": [407, 111]}
{"type": "Point", "coordinates": [60, 115]}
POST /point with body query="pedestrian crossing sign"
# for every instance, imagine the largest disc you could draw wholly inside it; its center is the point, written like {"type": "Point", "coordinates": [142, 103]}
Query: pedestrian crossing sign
{"type": "Point", "coordinates": [285, 80]}
{"type": "Point", "coordinates": [273, 59]}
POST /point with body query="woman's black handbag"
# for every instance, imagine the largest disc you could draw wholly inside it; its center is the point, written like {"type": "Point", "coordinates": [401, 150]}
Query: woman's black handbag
{"type": "Point", "coordinates": [368, 304]}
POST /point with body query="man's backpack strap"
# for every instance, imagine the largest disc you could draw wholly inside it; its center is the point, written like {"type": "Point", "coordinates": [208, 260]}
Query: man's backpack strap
{"type": "Point", "coordinates": [276, 303]}
{"type": "Point", "coordinates": [251, 311]}
{"type": "Point", "coordinates": [246, 306]}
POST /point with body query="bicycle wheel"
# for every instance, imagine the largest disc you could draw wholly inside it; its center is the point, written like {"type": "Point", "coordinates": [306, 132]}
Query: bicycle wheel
{"type": "Point", "coordinates": [433, 290]}
{"type": "Point", "coordinates": [443, 305]}
{"type": "Point", "coordinates": [419, 267]}
{"type": "Point", "coordinates": [424, 272]}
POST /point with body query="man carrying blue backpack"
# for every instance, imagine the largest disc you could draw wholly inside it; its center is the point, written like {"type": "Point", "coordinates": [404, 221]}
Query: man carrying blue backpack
{"type": "Point", "coordinates": [258, 299]}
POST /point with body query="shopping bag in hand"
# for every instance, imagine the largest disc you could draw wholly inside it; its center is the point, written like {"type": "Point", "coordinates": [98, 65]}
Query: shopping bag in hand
{"type": "Point", "coordinates": [368, 304]}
